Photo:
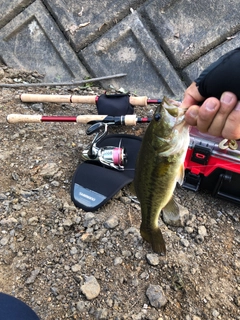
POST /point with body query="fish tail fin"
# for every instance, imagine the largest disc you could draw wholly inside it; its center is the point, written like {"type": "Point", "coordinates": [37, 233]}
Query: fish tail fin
{"type": "Point", "coordinates": [155, 238]}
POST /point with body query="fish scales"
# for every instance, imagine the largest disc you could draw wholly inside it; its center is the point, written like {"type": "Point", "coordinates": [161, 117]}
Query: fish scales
{"type": "Point", "coordinates": [159, 166]}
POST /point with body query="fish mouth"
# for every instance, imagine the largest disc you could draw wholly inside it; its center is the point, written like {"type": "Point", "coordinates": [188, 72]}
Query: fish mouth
{"type": "Point", "coordinates": [176, 113]}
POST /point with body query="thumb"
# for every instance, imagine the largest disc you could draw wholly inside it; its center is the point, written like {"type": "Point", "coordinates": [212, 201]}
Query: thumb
{"type": "Point", "coordinates": [191, 96]}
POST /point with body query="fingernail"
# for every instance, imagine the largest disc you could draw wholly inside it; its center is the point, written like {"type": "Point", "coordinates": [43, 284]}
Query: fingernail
{"type": "Point", "coordinates": [193, 113]}
{"type": "Point", "coordinates": [210, 105]}
{"type": "Point", "coordinates": [237, 107]}
{"type": "Point", "coordinates": [226, 97]}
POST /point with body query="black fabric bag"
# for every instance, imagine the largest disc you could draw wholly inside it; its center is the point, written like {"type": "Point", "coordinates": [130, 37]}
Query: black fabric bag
{"type": "Point", "coordinates": [114, 105]}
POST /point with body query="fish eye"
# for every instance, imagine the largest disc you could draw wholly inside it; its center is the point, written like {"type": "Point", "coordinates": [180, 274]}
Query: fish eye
{"type": "Point", "coordinates": [157, 116]}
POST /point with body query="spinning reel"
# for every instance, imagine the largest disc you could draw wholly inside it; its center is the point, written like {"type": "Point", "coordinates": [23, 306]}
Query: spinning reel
{"type": "Point", "coordinates": [114, 157]}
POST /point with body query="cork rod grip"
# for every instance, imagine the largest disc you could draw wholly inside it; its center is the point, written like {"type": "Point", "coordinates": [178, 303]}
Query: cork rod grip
{"type": "Point", "coordinates": [28, 97]}
{"type": "Point", "coordinates": [89, 118]}
{"type": "Point", "coordinates": [138, 101]}
{"type": "Point", "coordinates": [26, 118]}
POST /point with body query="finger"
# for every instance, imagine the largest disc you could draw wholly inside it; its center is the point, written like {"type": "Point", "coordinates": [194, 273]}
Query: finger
{"type": "Point", "coordinates": [206, 114]}
{"type": "Point", "coordinates": [231, 129]}
{"type": "Point", "coordinates": [228, 101]}
{"type": "Point", "coordinates": [191, 115]}
{"type": "Point", "coordinates": [191, 96]}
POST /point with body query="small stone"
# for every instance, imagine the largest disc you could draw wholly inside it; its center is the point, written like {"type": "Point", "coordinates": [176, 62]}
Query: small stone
{"type": "Point", "coordinates": [111, 222]}
{"type": "Point", "coordinates": [144, 275]}
{"type": "Point", "coordinates": [189, 229]}
{"type": "Point", "coordinates": [4, 241]}
{"type": "Point", "coordinates": [184, 242]}
{"type": "Point", "coordinates": [76, 267]}
{"type": "Point", "coordinates": [80, 306]}
{"type": "Point", "coordinates": [175, 214]}
{"type": "Point", "coordinates": [55, 183]}
{"type": "Point", "coordinates": [126, 253]}
{"type": "Point", "coordinates": [101, 314]}
{"type": "Point", "coordinates": [33, 220]}
{"type": "Point", "coordinates": [125, 200]}
{"type": "Point", "coordinates": [73, 250]}
{"type": "Point", "coordinates": [89, 220]}
{"type": "Point", "coordinates": [2, 197]}
{"type": "Point", "coordinates": [118, 260]}
{"type": "Point", "coordinates": [37, 107]}
{"type": "Point", "coordinates": [67, 223]}
{"type": "Point", "coordinates": [202, 231]}
{"type": "Point", "coordinates": [215, 313]}
{"type": "Point", "coordinates": [199, 239]}
{"type": "Point", "coordinates": [131, 230]}
{"type": "Point", "coordinates": [33, 276]}
{"type": "Point", "coordinates": [156, 296]}
{"type": "Point", "coordinates": [90, 288]}
{"type": "Point", "coordinates": [196, 318]}
{"type": "Point", "coordinates": [152, 259]}
{"type": "Point", "coordinates": [49, 170]}
{"type": "Point", "coordinates": [8, 221]}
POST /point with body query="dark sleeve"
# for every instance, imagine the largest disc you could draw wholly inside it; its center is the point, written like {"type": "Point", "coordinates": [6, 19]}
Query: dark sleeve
{"type": "Point", "coordinates": [222, 75]}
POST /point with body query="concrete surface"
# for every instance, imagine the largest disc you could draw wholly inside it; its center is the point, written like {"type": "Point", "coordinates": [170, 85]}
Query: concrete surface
{"type": "Point", "coordinates": [161, 45]}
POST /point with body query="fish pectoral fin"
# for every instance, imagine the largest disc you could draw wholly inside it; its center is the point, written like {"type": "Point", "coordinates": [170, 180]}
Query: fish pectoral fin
{"type": "Point", "coordinates": [181, 173]}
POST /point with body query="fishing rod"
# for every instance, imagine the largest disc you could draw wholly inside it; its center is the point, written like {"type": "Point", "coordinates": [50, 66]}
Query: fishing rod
{"type": "Point", "coordinates": [136, 101]}
{"type": "Point", "coordinates": [53, 84]}
{"type": "Point", "coordinates": [128, 120]}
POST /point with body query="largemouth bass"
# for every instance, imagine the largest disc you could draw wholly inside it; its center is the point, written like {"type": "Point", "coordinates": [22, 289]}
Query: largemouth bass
{"type": "Point", "coordinates": [160, 165]}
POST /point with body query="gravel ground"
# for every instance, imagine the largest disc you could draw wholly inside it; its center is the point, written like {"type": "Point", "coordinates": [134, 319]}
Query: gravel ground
{"type": "Point", "coordinates": [69, 264]}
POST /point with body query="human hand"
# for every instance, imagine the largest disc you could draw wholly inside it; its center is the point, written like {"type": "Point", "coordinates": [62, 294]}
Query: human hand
{"type": "Point", "coordinates": [215, 117]}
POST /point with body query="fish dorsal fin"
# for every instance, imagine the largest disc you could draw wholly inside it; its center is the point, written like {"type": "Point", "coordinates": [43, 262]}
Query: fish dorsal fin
{"type": "Point", "coordinates": [180, 177]}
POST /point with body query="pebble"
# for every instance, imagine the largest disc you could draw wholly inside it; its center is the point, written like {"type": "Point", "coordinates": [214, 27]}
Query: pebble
{"type": "Point", "coordinates": [156, 296]}
{"type": "Point", "coordinates": [90, 288]}
{"type": "Point", "coordinates": [199, 239]}
{"type": "Point", "coordinates": [118, 260]}
{"type": "Point", "coordinates": [8, 221]}
{"type": "Point", "coordinates": [125, 200]}
{"type": "Point", "coordinates": [49, 170]}
{"type": "Point", "coordinates": [73, 250]}
{"type": "Point", "coordinates": [111, 222]}
{"type": "Point", "coordinates": [4, 241]}
{"type": "Point", "coordinates": [152, 259]}
{"type": "Point", "coordinates": [33, 276]}
{"type": "Point", "coordinates": [80, 306]}
{"type": "Point", "coordinates": [176, 219]}
{"type": "Point", "coordinates": [202, 231]}
{"type": "Point", "coordinates": [37, 107]}
{"type": "Point", "coordinates": [101, 314]}
{"type": "Point", "coordinates": [67, 222]}
{"type": "Point", "coordinates": [76, 267]}
{"type": "Point", "coordinates": [184, 242]}
{"type": "Point", "coordinates": [189, 229]}
{"type": "Point", "coordinates": [132, 230]}
{"type": "Point", "coordinates": [215, 313]}
{"type": "Point", "coordinates": [3, 197]}
{"type": "Point", "coordinates": [33, 220]}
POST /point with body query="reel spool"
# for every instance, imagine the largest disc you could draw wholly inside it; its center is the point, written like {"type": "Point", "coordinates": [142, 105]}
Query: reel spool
{"type": "Point", "coordinates": [110, 156]}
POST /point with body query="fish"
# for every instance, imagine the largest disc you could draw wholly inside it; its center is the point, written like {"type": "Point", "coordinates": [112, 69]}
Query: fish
{"type": "Point", "coordinates": [159, 166]}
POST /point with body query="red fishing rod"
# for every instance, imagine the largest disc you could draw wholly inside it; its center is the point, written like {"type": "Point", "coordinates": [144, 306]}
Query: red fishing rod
{"type": "Point", "coordinates": [129, 120]}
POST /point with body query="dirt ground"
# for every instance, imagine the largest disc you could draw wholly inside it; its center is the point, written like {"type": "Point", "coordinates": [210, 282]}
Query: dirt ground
{"type": "Point", "coordinates": [50, 250]}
